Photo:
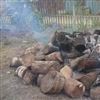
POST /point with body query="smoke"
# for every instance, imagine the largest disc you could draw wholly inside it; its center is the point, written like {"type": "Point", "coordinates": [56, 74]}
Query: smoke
{"type": "Point", "coordinates": [19, 16]}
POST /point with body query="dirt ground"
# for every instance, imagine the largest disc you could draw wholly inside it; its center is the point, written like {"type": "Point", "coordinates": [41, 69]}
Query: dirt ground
{"type": "Point", "coordinates": [11, 87]}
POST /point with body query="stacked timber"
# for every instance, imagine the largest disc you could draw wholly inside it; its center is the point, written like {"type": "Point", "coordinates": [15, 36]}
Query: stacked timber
{"type": "Point", "coordinates": [70, 63]}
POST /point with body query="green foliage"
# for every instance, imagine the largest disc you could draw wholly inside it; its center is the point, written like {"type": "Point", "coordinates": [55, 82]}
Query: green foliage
{"type": "Point", "coordinates": [96, 22]}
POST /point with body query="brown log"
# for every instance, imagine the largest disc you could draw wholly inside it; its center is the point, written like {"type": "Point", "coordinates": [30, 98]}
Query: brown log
{"type": "Point", "coordinates": [40, 56]}
{"type": "Point", "coordinates": [50, 49]}
{"type": "Point", "coordinates": [74, 88]}
{"type": "Point", "coordinates": [29, 77]}
{"type": "Point", "coordinates": [74, 54]}
{"type": "Point", "coordinates": [27, 59]}
{"type": "Point", "coordinates": [95, 93]}
{"type": "Point", "coordinates": [35, 48]}
{"type": "Point", "coordinates": [88, 64]}
{"type": "Point", "coordinates": [15, 62]}
{"type": "Point", "coordinates": [39, 79]}
{"type": "Point", "coordinates": [67, 72]}
{"type": "Point", "coordinates": [42, 67]}
{"type": "Point", "coordinates": [55, 56]}
{"type": "Point", "coordinates": [75, 62]}
{"type": "Point", "coordinates": [20, 71]}
{"type": "Point", "coordinates": [52, 82]}
{"type": "Point", "coordinates": [78, 75]}
{"type": "Point", "coordinates": [89, 79]}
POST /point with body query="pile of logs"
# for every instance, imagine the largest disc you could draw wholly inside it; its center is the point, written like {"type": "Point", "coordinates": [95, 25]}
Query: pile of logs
{"type": "Point", "coordinates": [69, 63]}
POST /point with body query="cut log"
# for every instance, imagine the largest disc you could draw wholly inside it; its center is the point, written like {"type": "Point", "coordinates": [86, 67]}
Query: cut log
{"type": "Point", "coordinates": [53, 82]}
{"type": "Point", "coordinates": [88, 64]}
{"type": "Point", "coordinates": [95, 93]}
{"type": "Point", "coordinates": [67, 72]}
{"type": "Point", "coordinates": [78, 75]}
{"type": "Point", "coordinates": [20, 71]}
{"type": "Point", "coordinates": [89, 79]}
{"type": "Point", "coordinates": [55, 56]}
{"type": "Point", "coordinates": [74, 88]}
{"type": "Point", "coordinates": [73, 55]}
{"type": "Point", "coordinates": [27, 59]}
{"type": "Point", "coordinates": [40, 56]}
{"type": "Point", "coordinates": [80, 44]}
{"type": "Point", "coordinates": [35, 48]}
{"type": "Point", "coordinates": [39, 79]}
{"type": "Point", "coordinates": [15, 62]}
{"type": "Point", "coordinates": [42, 67]}
{"type": "Point", "coordinates": [50, 49]}
{"type": "Point", "coordinates": [29, 77]}
{"type": "Point", "coordinates": [75, 62]}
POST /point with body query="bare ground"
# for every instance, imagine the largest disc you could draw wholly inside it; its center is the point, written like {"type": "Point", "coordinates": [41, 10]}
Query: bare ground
{"type": "Point", "coordinates": [11, 87]}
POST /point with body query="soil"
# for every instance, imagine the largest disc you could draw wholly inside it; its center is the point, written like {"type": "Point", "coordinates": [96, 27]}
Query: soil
{"type": "Point", "coordinates": [11, 86]}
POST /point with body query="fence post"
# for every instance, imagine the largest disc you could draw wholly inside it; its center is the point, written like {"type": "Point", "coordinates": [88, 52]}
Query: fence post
{"type": "Point", "coordinates": [74, 16]}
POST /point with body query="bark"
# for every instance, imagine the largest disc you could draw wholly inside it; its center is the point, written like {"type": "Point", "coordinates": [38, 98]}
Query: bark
{"type": "Point", "coordinates": [52, 82]}
{"type": "Point", "coordinates": [42, 67]}
{"type": "Point", "coordinates": [74, 88]}
{"type": "Point", "coordinates": [55, 56]}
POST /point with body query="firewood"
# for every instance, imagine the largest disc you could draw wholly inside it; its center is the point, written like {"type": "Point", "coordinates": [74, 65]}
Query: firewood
{"type": "Point", "coordinates": [88, 64]}
{"type": "Point", "coordinates": [80, 44]}
{"type": "Point", "coordinates": [67, 72]}
{"type": "Point", "coordinates": [95, 93]}
{"type": "Point", "coordinates": [40, 56]}
{"type": "Point", "coordinates": [74, 88]}
{"type": "Point", "coordinates": [78, 75]}
{"type": "Point", "coordinates": [20, 71]}
{"type": "Point", "coordinates": [35, 48]}
{"type": "Point", "coordinates": [55, 56]}
{"type": "Point", "coordinates": [74, 54]}
{"type": "Point", "coordinates": [15, 62]}
{"type": "Point", "coordinates": [53, 82]}
{"type": "Point", "coordinates": [27, 59]}
{"type": "Point", "coordinates": [29, 77]}
{"type": "Point", "coordinates": [39, 79]}
{"type": "Point", "coordinates": [50, 49]}
{"type": "Point", "coordinates": [42, 67]}
{"type": "Point", "coordinates": [89, 79]}
{"type": "Point", "coordinates": [74, 62]}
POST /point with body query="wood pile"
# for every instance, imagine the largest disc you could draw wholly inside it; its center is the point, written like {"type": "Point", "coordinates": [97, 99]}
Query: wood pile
{"type": "Point", "coordinates": [69, 63]}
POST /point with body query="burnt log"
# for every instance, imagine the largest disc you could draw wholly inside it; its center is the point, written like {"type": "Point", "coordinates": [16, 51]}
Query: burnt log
{"type": "Point", "coordinates": [74, 88]}
{"type": "Point", "coordinates": [55, 56]}
{"type": "Point", "coordinates": [95, 93]}
{"type": "Point", "coordinates": [28, 59]}
{"type": "Point", "coordinates": [89, 79]}
{"type": "Point", "coordinates": [53, 82]}
{"type": "Point", "coordinates": [15, 62]}
{"type": "Point", "coordinates": [79, 44]}
{"type": "Point", "coordinates": [49, 49]}
{"type": "Point", "coordinates": [67, 72]}
{"type": "Point", "coordinates": [75, 62]}
{"type": "Point", "coordinates": [88, 64]}
{"type": "Point", "coordinates": [42, 67]}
